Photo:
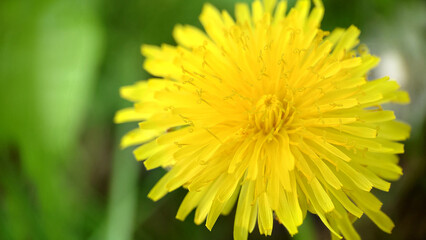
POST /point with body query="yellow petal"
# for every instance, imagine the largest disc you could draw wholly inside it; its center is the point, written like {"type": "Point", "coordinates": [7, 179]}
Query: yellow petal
{"type": "Point", "coordinates": [130, 115]}
{"type": "Point", "coordinates": [138, 136]}
{"type": "Point", "coordinates": [242, 13]}
{"type": "Point", "coordinates": [321, 196]}
{"type": "Point", "coordinates": [243, 213]}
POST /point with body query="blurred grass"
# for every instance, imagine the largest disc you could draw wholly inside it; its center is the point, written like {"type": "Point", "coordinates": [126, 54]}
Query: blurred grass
{"type": "Point", "coordinates": [62, 175]}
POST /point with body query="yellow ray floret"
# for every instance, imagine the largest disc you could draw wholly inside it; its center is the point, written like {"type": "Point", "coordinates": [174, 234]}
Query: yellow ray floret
{"type": "Point", "coordinates": [271, 114]}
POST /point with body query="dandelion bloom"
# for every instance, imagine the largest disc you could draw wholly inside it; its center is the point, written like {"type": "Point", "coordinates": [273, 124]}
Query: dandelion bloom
{"type": "Point", "coordinates": [271, 114]}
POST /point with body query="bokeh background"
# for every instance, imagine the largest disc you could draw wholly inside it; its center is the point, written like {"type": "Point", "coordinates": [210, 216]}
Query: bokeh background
{"type": "Point", "coordinates": [62, 174]}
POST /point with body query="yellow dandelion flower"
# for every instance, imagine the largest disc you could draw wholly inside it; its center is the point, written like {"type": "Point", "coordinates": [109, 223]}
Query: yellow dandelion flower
{"type": "Point", "coordinates": [269, 113]}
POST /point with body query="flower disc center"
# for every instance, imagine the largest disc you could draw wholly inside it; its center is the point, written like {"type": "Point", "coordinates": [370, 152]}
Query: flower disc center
{"type": "Point", "coordinates": [269, 113]}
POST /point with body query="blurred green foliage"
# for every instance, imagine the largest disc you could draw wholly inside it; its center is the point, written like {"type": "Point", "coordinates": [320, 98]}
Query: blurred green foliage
{"type": "Point", "coordinates": [62, 175]}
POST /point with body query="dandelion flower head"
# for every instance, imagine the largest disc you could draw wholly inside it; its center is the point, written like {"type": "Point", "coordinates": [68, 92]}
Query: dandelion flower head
{"type": "Point", "coordinates": [269, 113]}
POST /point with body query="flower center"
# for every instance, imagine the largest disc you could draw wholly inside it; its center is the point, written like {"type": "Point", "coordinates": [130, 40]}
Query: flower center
{"type": "Point", "coordinates": [269, 114]}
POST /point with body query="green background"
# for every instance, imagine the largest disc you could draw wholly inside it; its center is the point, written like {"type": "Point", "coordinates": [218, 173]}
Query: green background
{"type": "Point", "coordinates": [62, 174]}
